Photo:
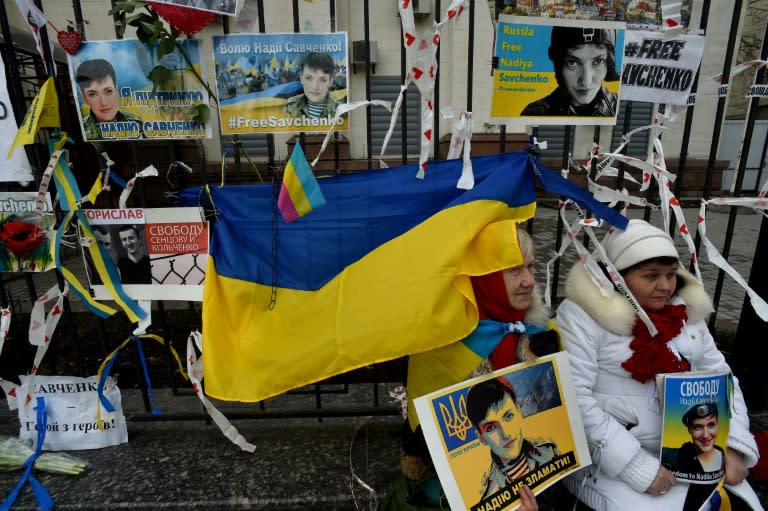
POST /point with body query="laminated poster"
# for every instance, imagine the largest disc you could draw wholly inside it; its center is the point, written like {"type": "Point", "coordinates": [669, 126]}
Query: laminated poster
{"type": "Point", "coordinates": [638, 14]}
{"type": "Point", "coordinates": [125, 92]}
{"type": "Point", "coordinates": [696, 414]}
{"type": "Point", "coordinates": [660, 69]}
{"type": "Point", "coordinates": [490, 435]}
{"type": "Point", "coordinates": [160, 253]}
{"type": "Point", "coordinates": [557, 71]}
{"type": "Point", "coordinates": [26, 236]}
{"type": "Point", "coordinates": [225, 7]}
{"type": "Point", "coordinates": [281, 82]}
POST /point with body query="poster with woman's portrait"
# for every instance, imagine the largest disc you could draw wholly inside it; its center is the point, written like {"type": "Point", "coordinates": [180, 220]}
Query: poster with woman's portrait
{"type": "Point", "coordinates": [491, 434]}
{"type": "Point", "coordinates": [696, 415]}
{"type": "Point", "coordinates": [126, 91]}
{"type": "Point", "coordinates": [283, 82]}
{"type": "Point", "coordinates": [557, 71]}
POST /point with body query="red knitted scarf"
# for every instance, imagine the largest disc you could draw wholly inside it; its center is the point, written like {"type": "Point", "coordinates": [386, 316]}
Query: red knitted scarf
{"type": "Point", "coordinates": [493, 303]}
{"type": "Point", "coordinates": [652, 355]}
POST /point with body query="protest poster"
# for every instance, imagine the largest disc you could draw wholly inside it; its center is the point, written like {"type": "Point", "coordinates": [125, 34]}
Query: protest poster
{"type": "Point", "coordinates": [557, 71]}
{"type": "Point", "coordinates": [639, 14]}
{"type": "Point", "coordinates": [71, 405]}
{"type": "Point", "coordinates": [225, 7]}
{"type": "Point", "coordinates": [491, 434]}
{"type": "Point", "coordinates": [15, 168]}
{"type": "Point", "coordinates": [159, 253]}
{"type": "Point", "coordinates": [125, 92]}
{"type": "Point", "coordinates": [26, 235]}
{"type": "Point", "coordinates": [281, 82]}
{"type": "Point", "coordinates": [660, 69]}
{"type": "Point", "coordinates": [696, 414]}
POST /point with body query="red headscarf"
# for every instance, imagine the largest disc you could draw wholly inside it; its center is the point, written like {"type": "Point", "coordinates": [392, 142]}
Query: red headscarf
{"type": "Point", "coordinates": [493, 303]}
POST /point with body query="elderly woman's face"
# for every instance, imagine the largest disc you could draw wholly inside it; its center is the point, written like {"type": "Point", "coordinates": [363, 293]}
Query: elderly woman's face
{"type": "Point", "coordinates": [652, 284]}
{"type": "Point", "coordinates": [519, 282]}
{"type": "Point", "coordinates": [584, 69]}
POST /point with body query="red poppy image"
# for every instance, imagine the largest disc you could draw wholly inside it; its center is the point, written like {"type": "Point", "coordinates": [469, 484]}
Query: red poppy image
{"type": "Point", "coordinates": [20, 238]}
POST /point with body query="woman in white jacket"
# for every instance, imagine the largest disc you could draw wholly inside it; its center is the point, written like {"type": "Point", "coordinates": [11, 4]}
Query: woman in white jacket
{"type": "Point", "coordinates": [615, 382]}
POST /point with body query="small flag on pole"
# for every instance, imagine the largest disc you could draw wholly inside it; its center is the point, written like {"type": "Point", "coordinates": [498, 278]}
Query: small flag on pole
{"type": "Point", "coordinates": [35, 19]}
{"type": "Point", "coordinates": [299, 193]}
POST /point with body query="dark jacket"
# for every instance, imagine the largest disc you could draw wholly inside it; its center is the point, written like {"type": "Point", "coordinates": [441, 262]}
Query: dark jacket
{"type": "Point", "coordinates": [558, 104]}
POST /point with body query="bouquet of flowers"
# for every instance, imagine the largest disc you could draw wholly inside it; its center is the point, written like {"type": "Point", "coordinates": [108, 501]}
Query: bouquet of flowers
{"type": "Point", "coordinates": [14, 452]}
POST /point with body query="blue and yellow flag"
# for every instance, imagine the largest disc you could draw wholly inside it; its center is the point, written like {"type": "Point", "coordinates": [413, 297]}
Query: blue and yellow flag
{"type": "Point", "coordinates": [382, 271]}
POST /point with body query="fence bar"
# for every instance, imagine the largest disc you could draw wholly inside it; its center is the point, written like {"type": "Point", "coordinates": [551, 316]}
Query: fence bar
{"type": "Point", "coordinates": [740, 171]}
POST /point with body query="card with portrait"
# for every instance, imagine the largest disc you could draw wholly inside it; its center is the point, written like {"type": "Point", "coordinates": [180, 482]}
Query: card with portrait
{"type": "Point", "coordinates": [490, 435]}
{"type": "Point", "coordinates": [696, 413]}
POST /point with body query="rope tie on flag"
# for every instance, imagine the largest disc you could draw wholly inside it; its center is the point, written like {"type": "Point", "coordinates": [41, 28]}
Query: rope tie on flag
{"type": "Point", "coordinates": [44, 500]}
{"type": "Point", "coordinates": [195, 370]}
{"type": "Point", "coordinates": [106, 367]}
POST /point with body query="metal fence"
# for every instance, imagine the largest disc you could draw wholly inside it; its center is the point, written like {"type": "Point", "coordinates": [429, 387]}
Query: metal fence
{"type": "Point", "coordinates": [82, 341]}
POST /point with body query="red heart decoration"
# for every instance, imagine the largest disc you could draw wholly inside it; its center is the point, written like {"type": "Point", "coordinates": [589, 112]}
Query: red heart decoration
{"type": "Point", "coordinates": [674, 201]}
{"type": "Point", "coordinates": [451, 13]}
{"type": "Point", "coordinates": [70, 40]}
{"type": "Point", "coordinates": [409, 38]}
{"type": "Point", "coordinates": [684, 229]}
{"type": "Point", "coordinates": [406, 3]}
{"type": "Point", "coordinates": [436, 39]}
{"type": "Point", "coordinates": [428, 134]}
{"type": "Point", "coordinates": [189, 21]}
{"type": "Point", "coordinates": [417, 73]}
{"type": "Point", "coordinates": [671, 22]}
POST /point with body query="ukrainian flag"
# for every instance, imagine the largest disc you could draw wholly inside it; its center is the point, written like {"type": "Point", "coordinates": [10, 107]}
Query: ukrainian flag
{"type": "Point", "coordinates": [380, 272]}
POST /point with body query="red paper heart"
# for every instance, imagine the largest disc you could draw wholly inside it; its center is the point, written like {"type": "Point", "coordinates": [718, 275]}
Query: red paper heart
{"type": "Point", "coordinates": [428, 134]}
{"type": "Point", "coordinates": [417, 73]}
{"type": "Point", "coordinates": [69, 40]}
{"type": "Point", "coordinates": [189, 21]}
{"type": "Point", "coordinates": [409, 38]}
{"type": "Point", "coordinates": [406, 3]}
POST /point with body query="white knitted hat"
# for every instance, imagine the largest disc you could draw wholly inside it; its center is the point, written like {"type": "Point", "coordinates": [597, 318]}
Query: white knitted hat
{"type": "Point", "coordinates": [639, 242]}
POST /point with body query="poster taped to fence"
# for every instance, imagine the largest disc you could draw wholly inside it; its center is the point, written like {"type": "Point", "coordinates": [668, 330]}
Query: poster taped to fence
{"type": "Point", "coordinates": [490, 435]}
{"type": "Point", "coordinates": [159, 253]}
{"type": "Point", "coordinates": [659, 69]}
{"type": "Point", "coordinates": [225, 7]}
{"type": "Point", "coordinates": [696, 418]}
{"type": "Point", "coordinates": [71, 403]}
{"type": "Point", "coordinates": [281, 82]}
{"type": "Point", "coordinates": [126, 92]}
{"type": "Point", "coordinates": [555, 72]}
{"type": "Point", "coordinates": [26, 235]}
{"type": "Point", "coordinates": [638, 14]}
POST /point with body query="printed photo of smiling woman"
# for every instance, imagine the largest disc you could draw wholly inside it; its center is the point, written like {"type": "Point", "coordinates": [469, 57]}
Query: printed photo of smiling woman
{"type": "Point", "coordinates": [98, 87]}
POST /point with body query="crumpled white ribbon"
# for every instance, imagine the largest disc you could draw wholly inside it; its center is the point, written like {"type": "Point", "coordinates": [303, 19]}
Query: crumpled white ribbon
{"type": "Point", "coordinates": [461, 139]}
{"type": "Point", "coordinates": [41, 329]}
{"type": "Point", "coordinates": [759, 204]}
{"type": "Point", "coordinates": [149, 171]}
{"type": "Point", "coordinates": [421, 64]}
{"type": "Point", "coordinates": [195, 370]}
{"type": "Point", "coordinates": [340, 111]}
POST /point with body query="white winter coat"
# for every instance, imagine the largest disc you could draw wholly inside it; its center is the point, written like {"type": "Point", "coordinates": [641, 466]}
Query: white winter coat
{"type": "Point", "coordinates": [621, 416]}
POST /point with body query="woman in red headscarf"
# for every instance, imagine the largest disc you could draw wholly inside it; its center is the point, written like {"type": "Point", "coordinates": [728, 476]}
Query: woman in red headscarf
{"type": "Point", "coordinates": [506, 296]}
